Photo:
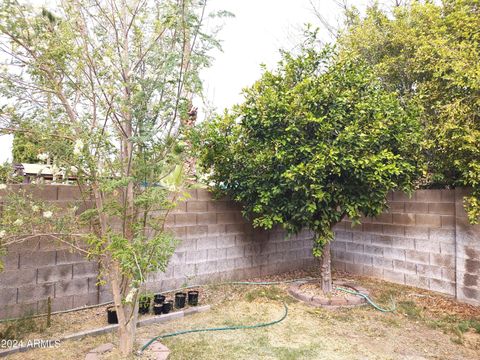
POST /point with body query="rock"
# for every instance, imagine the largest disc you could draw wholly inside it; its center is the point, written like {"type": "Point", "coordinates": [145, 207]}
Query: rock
{"type": "Point", "coordinates": [102, 348]}
{"type": "Point", "coordinates": [159, 347]}
{"type": "Point", "coordinates": [91, 356]}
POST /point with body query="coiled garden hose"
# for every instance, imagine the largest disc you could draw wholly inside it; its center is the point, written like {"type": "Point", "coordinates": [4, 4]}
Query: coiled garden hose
{"type": "Point", "coordinates": [260, 325]}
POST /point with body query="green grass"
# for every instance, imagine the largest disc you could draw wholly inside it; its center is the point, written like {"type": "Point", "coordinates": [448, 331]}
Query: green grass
{"type": "Point", "coordinates": [454, 325]}
{"type": "Point", "coordinates": [410, 309]}
{"type": "Point", "coordinates": [476, 326]}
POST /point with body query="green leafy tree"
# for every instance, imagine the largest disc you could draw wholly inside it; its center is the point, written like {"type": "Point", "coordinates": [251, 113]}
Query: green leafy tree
{"type": "Point", "coordinates": [6, 170]}
{"type": "Point", "coordinates": [24, 150]}
{"type": "Point", "coordinates": [104, 84]}
{"type": "Point", "coordinates": [314, 141]}
{"type": "Point", "coordinates": [429, 52]}
{"type": "Point", "coordinates": [31, 144]}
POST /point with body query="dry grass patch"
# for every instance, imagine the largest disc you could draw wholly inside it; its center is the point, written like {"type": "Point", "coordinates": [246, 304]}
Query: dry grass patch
{"type": "Point", "coordinates": [426, 325]}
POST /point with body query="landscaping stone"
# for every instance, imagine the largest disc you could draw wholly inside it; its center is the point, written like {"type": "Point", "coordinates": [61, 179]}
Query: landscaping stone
{"type": "Point", "coordinates": [344, 300]}
{"type": "Point", "coordinates": [161, 351]}
{"type": "Point", "coordinates": [103, 348]}
{"type": "Point", "coordinates": [157, 349]}
{"type": "Point", "coordinates": [93, 354]}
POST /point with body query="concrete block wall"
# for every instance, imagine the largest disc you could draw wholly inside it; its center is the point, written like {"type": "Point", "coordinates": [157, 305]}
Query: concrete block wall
{"type": "Point", "coordinates": [40, 268]}
{"type": "Point", "coordinates": [215, 243]}
{"type": "Point", "coordinates": [467, 248]}
{"type": "Point", "coordinates": [423, 240]}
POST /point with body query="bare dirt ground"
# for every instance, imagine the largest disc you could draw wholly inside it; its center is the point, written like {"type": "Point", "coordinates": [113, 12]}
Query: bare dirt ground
{"type": "Point", "coordinates": [425, 325]}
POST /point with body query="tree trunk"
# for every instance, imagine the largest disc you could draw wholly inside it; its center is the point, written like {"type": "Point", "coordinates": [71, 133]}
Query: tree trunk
{"type": "Point", "coordinates": [325, 270]}
{"type": "Point", "coordinates": [126, 333]}
{"type": "Point", "coordinates": [127, 315]}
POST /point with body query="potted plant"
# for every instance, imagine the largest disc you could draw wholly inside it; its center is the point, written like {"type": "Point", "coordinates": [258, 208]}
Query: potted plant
{"type": "Point", "coordinates": [144, 303]}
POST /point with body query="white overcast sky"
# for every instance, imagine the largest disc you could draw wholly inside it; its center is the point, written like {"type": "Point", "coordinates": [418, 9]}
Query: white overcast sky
{"type": "Point", "coordinates": [251, 38]}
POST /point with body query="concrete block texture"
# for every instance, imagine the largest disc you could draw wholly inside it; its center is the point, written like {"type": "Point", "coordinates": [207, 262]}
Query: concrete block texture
{"type": "Point", "coordinates": [215, 243]}
{"type": "Point", "coordinates": [423, 240]}
{"type": "Point", "coordinates": [55, 273]}
{"type": "Point", "coordinates": [37, 259]}
{"type": "Point", "coordinates": [8, 296]}
{"type": "Point", "coordinates": [16, 278]}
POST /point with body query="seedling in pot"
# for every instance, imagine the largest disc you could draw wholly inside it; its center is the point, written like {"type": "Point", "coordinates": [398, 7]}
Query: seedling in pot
{"type": "Point", "coordinates": [144, 304]}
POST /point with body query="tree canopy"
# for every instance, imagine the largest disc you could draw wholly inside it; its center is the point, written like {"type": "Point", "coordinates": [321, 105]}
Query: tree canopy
{"type": "Point", "coordinates": [315, 140]}
{"type": "Point", "coordinates": [430, 52]}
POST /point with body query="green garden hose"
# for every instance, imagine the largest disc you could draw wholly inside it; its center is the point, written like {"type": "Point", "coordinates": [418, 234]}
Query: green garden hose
{"type": "Point", "coordinates": [244, 327]}
{"type": "Point", "coordinates": [366, 297]}
{"type": "Point", "coordinates": [224, 328]}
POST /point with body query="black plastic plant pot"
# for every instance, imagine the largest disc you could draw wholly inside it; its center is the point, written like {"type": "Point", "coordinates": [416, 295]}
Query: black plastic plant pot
{"type": "Point", "coordinates": [167, 306]}
{"type": "Point", "coordinates": [112, 315]}
{"type": "Point", "coordinates": [143, 308]}
{"type": "Point", "coordinates": [157, 309]}
{"type": "Point", "coordinates": [193, 298]}
{"type": "Point", "coordinates": [180, 298]}
{"type": "Point", "coordinates": [158, 298]}
{"type": "Point", "coordinates": [144, 305]}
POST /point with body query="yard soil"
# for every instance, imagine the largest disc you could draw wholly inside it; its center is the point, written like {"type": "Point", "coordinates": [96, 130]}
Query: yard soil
{"type": "Point", "coordinates": [426, 325]}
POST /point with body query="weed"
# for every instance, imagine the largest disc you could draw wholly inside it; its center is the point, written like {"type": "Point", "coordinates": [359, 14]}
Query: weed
{"type": "Point", "coordinates": [458, 338]}
{"type": "Point", "coordinates": [463, 326]}
{"type": "Point", "coordinates": [476, 326]}
{"type": "Point", "coordinates": [410, 309]}
{"type": "Point", "coordinates": [17, 329]}
{"type": "Point", "coordinates": [285, 353]}
{"type": "Point", "coordinates": [453, 324]}
{"type": "Point", "coordinates": [386, 296]}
